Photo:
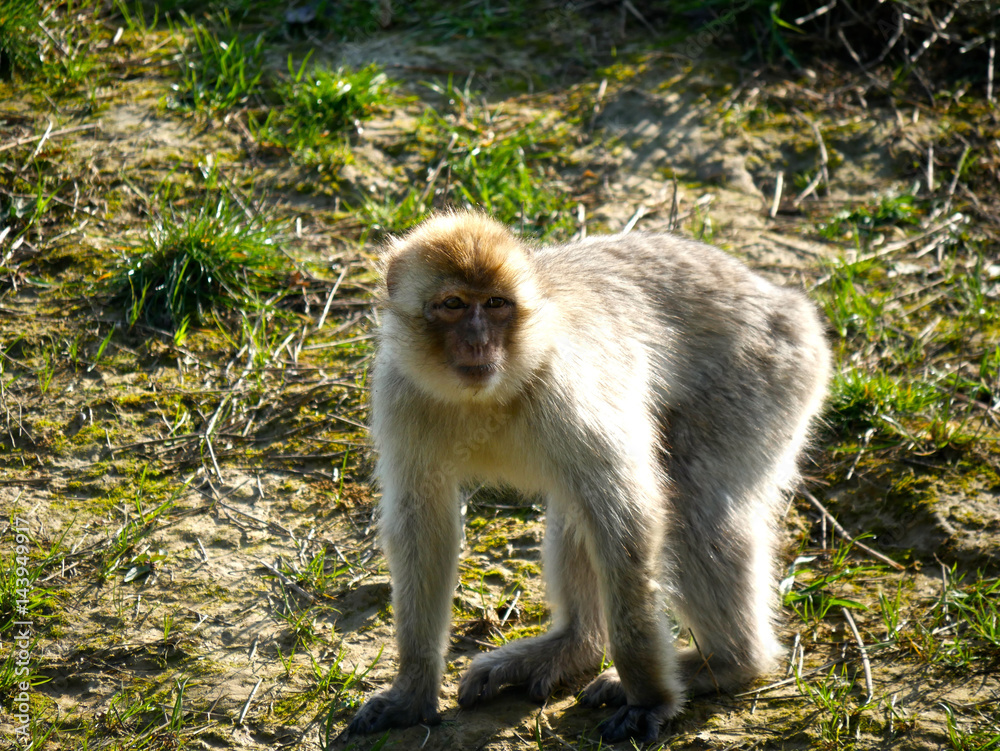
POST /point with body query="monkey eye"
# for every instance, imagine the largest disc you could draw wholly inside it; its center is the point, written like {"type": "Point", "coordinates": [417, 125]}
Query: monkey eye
{"type": "Point", "coordinates": [454, 303]}
{"type": "Point", "coordinates": [496, 302]}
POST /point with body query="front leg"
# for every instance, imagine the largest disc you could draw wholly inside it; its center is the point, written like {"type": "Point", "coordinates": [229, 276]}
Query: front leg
{"type": "Point", "coordinates": [420, 533]}
{"type": "Point", "coordinates": [574, 645]}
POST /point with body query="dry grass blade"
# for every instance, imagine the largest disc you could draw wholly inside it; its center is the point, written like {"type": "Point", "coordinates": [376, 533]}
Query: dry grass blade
{"type": "Point", "coordinates": [865, 662]}
{"type": "Point", "coordinates": [822, 172]}
{"type": "Point", "coordinates": [779, 184]}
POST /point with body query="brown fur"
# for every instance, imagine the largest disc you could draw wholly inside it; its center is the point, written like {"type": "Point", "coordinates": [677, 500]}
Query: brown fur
{"type": "Point", "coordinates": [483, 255]}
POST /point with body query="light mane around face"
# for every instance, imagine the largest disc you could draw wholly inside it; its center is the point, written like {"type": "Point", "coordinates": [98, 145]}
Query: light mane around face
{"type": "Point", "coordinates": [462, 309]}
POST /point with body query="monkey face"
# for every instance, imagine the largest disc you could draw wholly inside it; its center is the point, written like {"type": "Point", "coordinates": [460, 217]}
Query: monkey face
{"type": "Point", "coordinates": [462, 309]}
{"type": "Point", "coordinates": [470, 330]}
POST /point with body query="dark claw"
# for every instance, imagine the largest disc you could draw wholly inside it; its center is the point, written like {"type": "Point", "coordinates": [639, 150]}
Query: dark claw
{"type": "Point", "coordinates": [537, 691]}
{"type": "Point", "coordinates": [470, 691]}
{"type": "Point", "coordinates": [639, 723]}
{"type": "Point", "coordinates": [387, 710]}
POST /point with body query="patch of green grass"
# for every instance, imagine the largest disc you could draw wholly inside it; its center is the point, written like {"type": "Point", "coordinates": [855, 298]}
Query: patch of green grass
{"type": "Point", "coordinates": [18, 36]}
{"type": "Point", "coordinates": [702, 226]}
{"type": "Point", "coordinates": [838, 713]}
{"type": "Point", "coordinates": [197, 264]}
{"type": "Point", "coordinates": [758, 25]}
{"type": "Point", "coordinates": [360, 19]}
{"type": "Point", "coordinates": [862, 222]}
{"type": "Point", "coordinates": [477, 20]}
{"type": "Point", "coordinates": [22, 600]}
{"type": "Point", "coordinates": [67, 53]}
{"type": "Point", "coordinates": [322, 101]}
{"type": "Point", "coordinates": [218, 71]}
{"type": "Point", "coordinates": [484, 158]}
{"type": "Point", "coordinates": [19, 213]}
{"type": "Point", "coordinates": [54, 353]}
{"type": "Point", "coordinates": [64, 74]}
{"type": "Point", "coordinates": [135, 18]}
{"type": "Point", "coordinates": [810, 590]}
{"type": "Point", "coordinates": [984, 735]}
{"type": "Point", "coordinates": [396, 212]}
{"type": "Point", "coordinates": [127, 551]}
{"type": "Point", "coordinates": [506, 176]}
{"type": "Point", "coordinates": [301, 624]}
{"type": "Point", "coordinates": [344, 687]}
{"type": "Point", "coordinates": [967, 617]}
{"type": "Point", "coordinates": [861, 399]}
{"type": "Point", "coordinates": [149, 719]}
{"type": "Point", "coordinates": [975, 285]}
{"type": "Point", "coordinates": [322, 576]}
{"type": "Point", "coordinates": [989, 371]}
{"type": "Point", "coordinates": [48, 358]}
{"type": "Point", "coordinates": [902, 333]}
{"type": "Point", "coordinates": [335, 683]}
{"type": "Point", "coordinates": [242, 12]}
{"type": "Point", "coordinates": [854, 299]}
{"type": "Point", "coordinates": [352, 19]}
{"type": "Point", "coordinates": [320, 106]}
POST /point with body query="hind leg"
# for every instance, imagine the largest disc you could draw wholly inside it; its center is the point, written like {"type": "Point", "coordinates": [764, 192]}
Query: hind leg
{"type": "Point", "coordinates": [726, 597]}
{"type": "Point", "coordinates": [727, 489]}
{"type": "Point", "coordinates": [732, 447]}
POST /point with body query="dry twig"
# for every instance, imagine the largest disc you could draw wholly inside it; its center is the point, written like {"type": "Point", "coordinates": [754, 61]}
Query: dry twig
{"type": "Point", "coordinates": [779, 184]}
{"type": "Point", "coordinates": [844, 534]}
{"type": "Point", "coordinates": [329, 299]}
{"type": "Point", "coordinates": [48, 134]}
{"type": "Point", "coordinates": [639, 214]}
{"type": "Point", "coordinates": [246, 707]}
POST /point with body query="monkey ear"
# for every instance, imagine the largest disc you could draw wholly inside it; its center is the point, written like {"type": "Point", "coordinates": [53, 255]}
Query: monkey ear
{"type": "Point", "coordinates": [390, 275]}
{"type": "Point", "coordinates": [387, 264]}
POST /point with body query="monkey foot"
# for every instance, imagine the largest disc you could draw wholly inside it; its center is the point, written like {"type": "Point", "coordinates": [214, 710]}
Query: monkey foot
{"type": "Point", "coordinates": [605, 690]}
{"type": "Point", "coordinates": [394, 709]}
{"type": "Point", "coordinates": [717, 675]}
{"type": "Point", "coordinates": [640, 723]}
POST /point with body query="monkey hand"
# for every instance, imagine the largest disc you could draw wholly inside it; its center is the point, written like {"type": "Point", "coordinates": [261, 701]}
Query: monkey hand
{"type": "Point", "coordinates": [492, 671]}
{"type": "Point", "coordinates": [395, 708]}
{"type": "Point", "coordinates": [541, 664]}
{"type": "Point", "coordinates": [640, 723]}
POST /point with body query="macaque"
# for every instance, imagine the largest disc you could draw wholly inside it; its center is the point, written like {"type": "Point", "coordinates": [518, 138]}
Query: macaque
{"type": "Point", "coordinates": [655, 391]}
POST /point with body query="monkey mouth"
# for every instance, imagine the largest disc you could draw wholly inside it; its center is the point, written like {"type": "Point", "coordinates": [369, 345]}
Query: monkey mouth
{"type": "Point", "coordinates": [477, 373]}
